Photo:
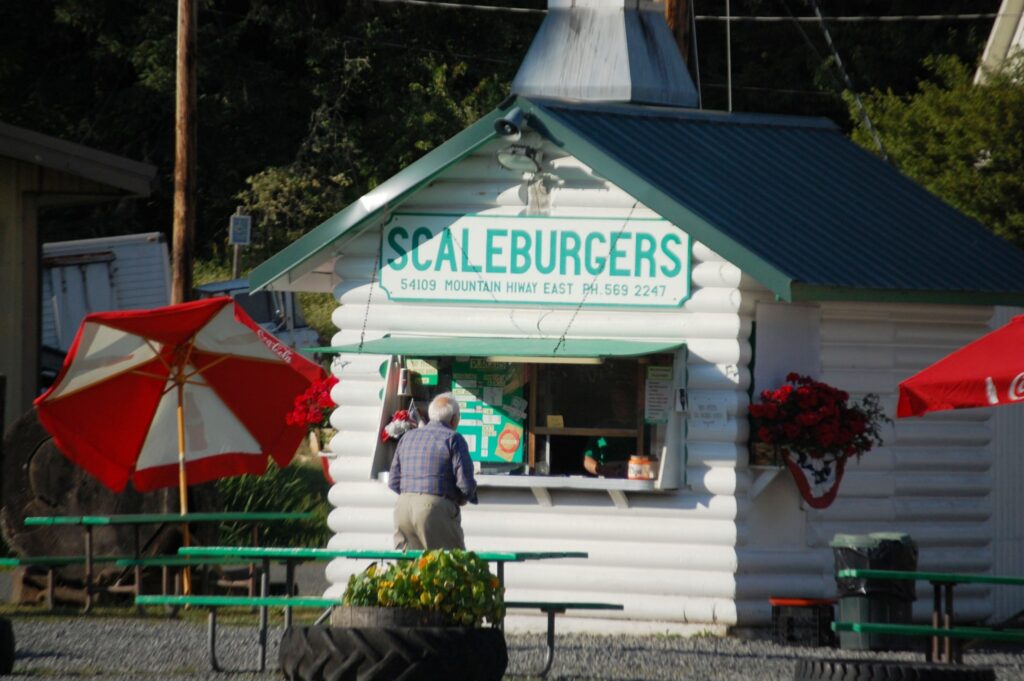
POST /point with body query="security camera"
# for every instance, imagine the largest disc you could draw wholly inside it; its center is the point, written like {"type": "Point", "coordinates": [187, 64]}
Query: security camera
{"type": "Point", "coordinates": [510, 126]}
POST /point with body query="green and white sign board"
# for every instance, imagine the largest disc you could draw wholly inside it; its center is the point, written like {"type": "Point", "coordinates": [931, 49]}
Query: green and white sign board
{"type": "Point", "coordinates": [492, 408]}
{"type": "Point", "coordinates": [535, 260]}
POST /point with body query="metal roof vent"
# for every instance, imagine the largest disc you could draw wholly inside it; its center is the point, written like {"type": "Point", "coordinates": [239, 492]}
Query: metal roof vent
{"type": "Point", "coordinates": [606, 50]}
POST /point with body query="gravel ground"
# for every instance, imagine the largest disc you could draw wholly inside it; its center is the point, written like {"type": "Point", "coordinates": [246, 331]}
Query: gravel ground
{"type": "Point", "coordinates": [93, 648]}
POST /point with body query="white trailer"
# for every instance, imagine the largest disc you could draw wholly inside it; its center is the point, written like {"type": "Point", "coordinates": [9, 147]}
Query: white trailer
{"type": "Point", "coordinates": [128, 272]}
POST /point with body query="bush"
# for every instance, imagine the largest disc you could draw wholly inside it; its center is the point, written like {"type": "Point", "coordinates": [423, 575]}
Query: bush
{"type": "Point", "coordinates": [455, 583]}
{"type": "Point", "coordinates": [295, 488]}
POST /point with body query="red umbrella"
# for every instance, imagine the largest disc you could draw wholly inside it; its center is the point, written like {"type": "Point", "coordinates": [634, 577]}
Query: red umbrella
{"type": "Point", "coordinates": [175, 395]}
{"type": "Point", "coordinates": [987, 372]}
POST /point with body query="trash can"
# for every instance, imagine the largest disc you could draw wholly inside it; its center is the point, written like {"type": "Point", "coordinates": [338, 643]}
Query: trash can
{"type": "Point", "coordinates": [880, 601]}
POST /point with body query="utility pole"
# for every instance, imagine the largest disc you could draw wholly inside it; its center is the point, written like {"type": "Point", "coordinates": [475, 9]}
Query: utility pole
{"type": "Point", "coordinates": [678, 20]}
{"type": "Point", "coordinates": [184, 229]}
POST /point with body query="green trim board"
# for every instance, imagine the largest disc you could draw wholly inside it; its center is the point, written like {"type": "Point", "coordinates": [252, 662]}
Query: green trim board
{"type": "Point", "coordinates": [323, 241]}
{"type": "Point", "coordinates": [489, 346]}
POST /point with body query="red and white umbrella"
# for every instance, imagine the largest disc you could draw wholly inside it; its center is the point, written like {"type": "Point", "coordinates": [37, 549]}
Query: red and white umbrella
{"type": "Point", "coordinates": [985, 373]}
{"type": "Point", "coordinates": [175, 395]}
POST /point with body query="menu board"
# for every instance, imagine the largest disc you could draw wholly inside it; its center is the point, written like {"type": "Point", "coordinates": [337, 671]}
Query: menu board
{"type": "Point", "coordinates": [492, 406]}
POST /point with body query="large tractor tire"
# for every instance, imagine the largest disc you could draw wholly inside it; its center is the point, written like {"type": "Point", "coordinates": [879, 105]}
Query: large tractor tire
{"type": "Point", "coordinates": [320, 653]}
{"type": "Point", "coordinates": [880, 670]}
{"type": "Point", "coordinates": [38, 480]}
{"type": "Point", "coordinates": [6, 647]}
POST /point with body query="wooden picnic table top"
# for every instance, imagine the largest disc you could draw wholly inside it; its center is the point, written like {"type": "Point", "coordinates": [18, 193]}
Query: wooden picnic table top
{"type": "Point", "coordinates": [158, 518]}
{"type": "Point", "coordinates": [935, 577]}
{"type": "Point", "coordinates": [290, 553]}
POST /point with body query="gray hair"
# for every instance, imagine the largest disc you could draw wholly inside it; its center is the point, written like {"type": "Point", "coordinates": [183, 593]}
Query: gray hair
{"type": "Point", "coordinates": [444, 408]}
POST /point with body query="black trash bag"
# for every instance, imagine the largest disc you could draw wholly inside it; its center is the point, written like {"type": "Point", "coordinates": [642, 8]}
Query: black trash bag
{"type": "Point", "coordinates": [879, 551]}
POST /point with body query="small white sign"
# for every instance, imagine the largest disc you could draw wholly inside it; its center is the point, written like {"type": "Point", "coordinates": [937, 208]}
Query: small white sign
{"type": "Point", "coordinates": [240, 231]}
{"type": "Point", "coordinates": [657, 394]}
{"type": "Point", "coordinates": [711, 413]}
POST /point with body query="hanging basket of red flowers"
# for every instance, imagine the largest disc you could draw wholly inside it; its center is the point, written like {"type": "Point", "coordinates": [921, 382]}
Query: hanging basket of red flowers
{"type": "Point", "coordinates": [813, 428]}
{"type": "Point", "coordinates": [313, 409]}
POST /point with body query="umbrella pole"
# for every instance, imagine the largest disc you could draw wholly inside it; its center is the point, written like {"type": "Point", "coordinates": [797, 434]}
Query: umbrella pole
{"type": "Point", "coordinates": [182, 483]}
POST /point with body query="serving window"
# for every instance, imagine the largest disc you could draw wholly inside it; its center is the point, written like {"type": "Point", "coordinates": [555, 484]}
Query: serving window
{"type": "Point", "coordinates": [601, 419]}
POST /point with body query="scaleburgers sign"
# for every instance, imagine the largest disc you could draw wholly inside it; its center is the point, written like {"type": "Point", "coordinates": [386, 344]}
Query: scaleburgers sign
{"type": "Point", "coordinates": [543, 260]}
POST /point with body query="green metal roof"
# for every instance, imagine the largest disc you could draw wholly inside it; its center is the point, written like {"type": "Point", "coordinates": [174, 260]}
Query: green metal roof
{"type": "Point", "coordinates": [475, 346]}
{"type": "Point", "coordinates": [789, 200]}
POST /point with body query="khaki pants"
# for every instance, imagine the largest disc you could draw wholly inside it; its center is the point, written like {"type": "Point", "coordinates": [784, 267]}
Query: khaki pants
{"type": "Point", "coordinates": [427, 521]}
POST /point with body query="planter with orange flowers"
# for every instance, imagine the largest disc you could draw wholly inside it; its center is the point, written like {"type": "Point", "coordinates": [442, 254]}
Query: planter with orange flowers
{"type": "Point", "coordinates": [418, 618]}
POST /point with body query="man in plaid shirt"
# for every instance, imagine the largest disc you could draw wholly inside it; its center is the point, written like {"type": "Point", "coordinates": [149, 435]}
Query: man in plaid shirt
{"type": "Point", "coordinates": [433, 476]}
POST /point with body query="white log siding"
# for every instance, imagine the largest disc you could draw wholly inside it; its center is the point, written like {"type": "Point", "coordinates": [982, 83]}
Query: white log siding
{"type": "Point", "coordinates": [1007, 474]}
{"type": "Point", "coordinates": [685, 556]}
{"type": "Point", "coordinates": [932, 478]}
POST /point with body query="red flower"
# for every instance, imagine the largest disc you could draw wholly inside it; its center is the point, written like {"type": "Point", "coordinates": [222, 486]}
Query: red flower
{"type": "Point", "coordinates": [816, 418]}
{"type": "Point", "coordinates": [314, 406]}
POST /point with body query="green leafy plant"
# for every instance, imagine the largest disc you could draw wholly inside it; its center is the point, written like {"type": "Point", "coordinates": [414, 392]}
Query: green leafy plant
{"type": "Point", "coordinates": [295, 488]}
{"type": "Point", "coordinates": [457, 584]}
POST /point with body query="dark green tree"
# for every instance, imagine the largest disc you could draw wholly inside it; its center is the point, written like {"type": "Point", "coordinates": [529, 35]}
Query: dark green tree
{"type": "Point", "coordinates": [963, 142]}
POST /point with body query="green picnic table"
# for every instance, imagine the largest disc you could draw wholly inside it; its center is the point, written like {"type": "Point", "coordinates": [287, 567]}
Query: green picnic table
{"type": "Point", "coordinates": [291, 556]}
{"type": "Point", "coordinates": [89, 522]}
{"type": "Point", "coordinates": [942, 604]}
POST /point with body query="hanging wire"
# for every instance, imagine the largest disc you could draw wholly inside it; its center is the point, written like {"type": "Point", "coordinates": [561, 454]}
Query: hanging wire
{"type": "Point", "coordinates": [715, 17]}
{"type": "Point", "coordinates": [588, 289]}
{"type": "Point", "coordinates": [373, 278]}
{"type": "Point", "coordinates": [883, 18]}
{"type": "Point", "coordinates": [849, 84]}
{"type": "Point", "coordinates": [696, 58]}
{"type": "Point", "coordinates": [456, 5]}
{"type": "Point", "coordinates": [728, 55]}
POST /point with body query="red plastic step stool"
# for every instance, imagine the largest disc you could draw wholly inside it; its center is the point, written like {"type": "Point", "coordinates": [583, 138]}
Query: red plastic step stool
{"type": "Point", "coordinates": [802, 621]}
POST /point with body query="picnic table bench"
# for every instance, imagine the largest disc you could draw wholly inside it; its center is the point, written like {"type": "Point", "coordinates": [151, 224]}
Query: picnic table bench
{"type": "Point", "coordinates": [213, 602]}
{"type": "Point", "coordinates": [136, 520]}
{"type": "Point", "coordinates": [942, 631]}
{"type": "Point", "coordinates": [552, 608]}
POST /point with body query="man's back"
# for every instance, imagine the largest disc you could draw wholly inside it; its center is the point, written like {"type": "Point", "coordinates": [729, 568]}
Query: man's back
{"type": "Point", "coordinates": [433, 459]}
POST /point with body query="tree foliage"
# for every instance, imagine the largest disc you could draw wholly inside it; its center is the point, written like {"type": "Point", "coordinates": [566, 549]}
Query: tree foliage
{"type": "Point", "coordinates": [963, 142]}
{"type": "Point", "coordinates": [305, 106]}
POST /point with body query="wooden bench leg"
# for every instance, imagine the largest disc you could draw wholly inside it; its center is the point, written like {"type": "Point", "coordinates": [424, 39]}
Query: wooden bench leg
{"type": "Point", "coordinates": [50, 588]}
{"type": "Point", "coordinates": [212, 639]}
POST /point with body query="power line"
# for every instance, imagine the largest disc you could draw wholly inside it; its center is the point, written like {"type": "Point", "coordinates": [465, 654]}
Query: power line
{"type": "Point", "coordinates": [456, 5]}
{"type": "Point", "coordinates": [978, 16]}
{"type": "Point", "coordinates": [849, 84]}
{"type": "Point", "coordinates": [855, 19]}
{"type": "Point", "coordinates": [785, 91]}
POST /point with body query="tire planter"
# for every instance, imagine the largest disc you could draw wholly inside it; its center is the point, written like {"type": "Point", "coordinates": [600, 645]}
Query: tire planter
{"type": "Point", "coordinates": [6, 647]}
{"type": "Point", "coordinates": [878, 670]}
{"type": "Point", "coordinates": [320, 653]}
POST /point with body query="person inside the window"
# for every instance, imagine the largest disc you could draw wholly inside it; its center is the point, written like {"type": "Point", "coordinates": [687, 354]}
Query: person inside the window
{"type": "Point", "coordinates": [433, 476]}
{"type": "Point", "coordinates": [609, 456]}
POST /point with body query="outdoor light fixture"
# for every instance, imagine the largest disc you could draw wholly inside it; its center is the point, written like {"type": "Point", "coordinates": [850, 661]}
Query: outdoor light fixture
{"type": "Point", "coordinates": [521, 158]}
